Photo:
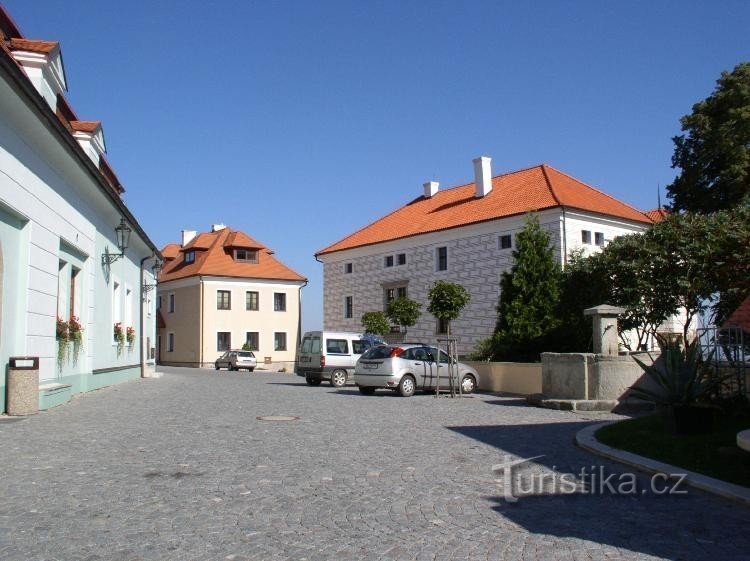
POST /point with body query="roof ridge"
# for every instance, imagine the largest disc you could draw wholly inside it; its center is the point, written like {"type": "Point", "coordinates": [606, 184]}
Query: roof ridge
{"type": "Point", "coordinates": [631, 207]}
{"type": "Point", "coordinates": [549, 185]}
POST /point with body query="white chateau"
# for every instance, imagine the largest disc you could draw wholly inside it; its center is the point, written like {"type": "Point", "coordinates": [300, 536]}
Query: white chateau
{"type": "Point", "coordinates": [465, 234]}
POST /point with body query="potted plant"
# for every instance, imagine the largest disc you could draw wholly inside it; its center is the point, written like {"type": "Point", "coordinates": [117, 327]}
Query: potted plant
{"type": "Point", "coordinates": [119, 337]}
{"type": "Point", "coordinates": [680, 386]}
{"type": "Point", "coordinates": [62, 335]}
{"type": "Point", "coordinates": [75, 332]}
{"type": "Point", "coordinates": [130, 335]}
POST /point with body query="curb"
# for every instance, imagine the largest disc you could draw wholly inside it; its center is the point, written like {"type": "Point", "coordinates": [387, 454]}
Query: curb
{"type": "Point", "coordinates": [585, 439]}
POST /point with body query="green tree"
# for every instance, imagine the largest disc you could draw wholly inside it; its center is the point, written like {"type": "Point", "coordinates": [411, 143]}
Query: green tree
{"type": "Point", "coordinates": [376, 323]}
{"type": "Point", "coordinates": [714, 154]}
{"type": "Point", "coordinates": [446, 300]}
{"type": "Point", "coordinates": [404, 311]}
{"type": "Point", "coordinates": [527, 310]}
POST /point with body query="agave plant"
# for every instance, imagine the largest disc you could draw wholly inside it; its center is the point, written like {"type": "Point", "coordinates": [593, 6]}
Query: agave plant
{"type": "Point", "coordinates": [678, 375]}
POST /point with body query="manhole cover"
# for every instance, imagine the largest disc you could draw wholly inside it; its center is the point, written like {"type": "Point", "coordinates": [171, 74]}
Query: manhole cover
{"type": "Point", "coordinates": [277, 418]}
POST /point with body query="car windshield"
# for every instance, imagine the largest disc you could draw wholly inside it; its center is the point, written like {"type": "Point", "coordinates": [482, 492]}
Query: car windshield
{"type": "Point", "coordinates": [382, 351]}
{"type": "Point", "coordinates": [311, 345]}
{"type": "Point", "coordinates": [246, 355]}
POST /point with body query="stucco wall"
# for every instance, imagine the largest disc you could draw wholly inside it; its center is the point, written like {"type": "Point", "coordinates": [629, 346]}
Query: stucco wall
{"type": "Point", "coordinates": [184, 322]}
{"type": "Point", "coordinates": [509, 377]}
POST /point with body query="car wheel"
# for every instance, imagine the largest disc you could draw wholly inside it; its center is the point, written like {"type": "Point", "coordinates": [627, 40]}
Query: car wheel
{"type": "Point", "coordinates": [468, 384]}
{"type": "Point", "coordinates": [365, 390]}
{"type": "Point", "coordinates": [338, 378]}
{"type": "Point", "coordinates": [311, 381]}
{"type": "Point", "coordinates": [217, 367]}
{"type": "Point", "coordinates": [406, 386]}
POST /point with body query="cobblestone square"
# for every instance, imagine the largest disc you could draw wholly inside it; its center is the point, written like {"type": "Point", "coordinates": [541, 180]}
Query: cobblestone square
{"type": "Point", "coordinates": [181, 468]}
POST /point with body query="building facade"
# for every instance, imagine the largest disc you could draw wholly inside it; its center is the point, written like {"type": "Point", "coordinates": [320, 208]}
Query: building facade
{"type": "Point", "coordinates": [65, 282]}
{"type": "Point", "coordinates": [465, 235]}
{"type": "Point", "coordinates": [222, 289]}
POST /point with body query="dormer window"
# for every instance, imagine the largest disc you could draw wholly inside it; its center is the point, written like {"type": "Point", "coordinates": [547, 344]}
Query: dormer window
{"type": "Point", "coordinates": [246, 255]}
{"type": "Point", "coordinates": [189, 257]}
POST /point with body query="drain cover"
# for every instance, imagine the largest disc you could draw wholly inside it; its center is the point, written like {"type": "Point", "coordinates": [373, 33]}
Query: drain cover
{"type": "Point", "coordinates": [278, 418]}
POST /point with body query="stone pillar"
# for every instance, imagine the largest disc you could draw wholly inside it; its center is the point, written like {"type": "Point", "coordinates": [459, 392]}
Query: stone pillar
{"type": "Point", "coordinates": [606, 341]}
{"type": "Point", "coordinates": [23, 386]}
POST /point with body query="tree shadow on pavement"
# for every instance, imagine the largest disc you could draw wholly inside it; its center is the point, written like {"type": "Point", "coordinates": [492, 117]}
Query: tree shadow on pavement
{"type": "Point", "coordinates": [636, 518]}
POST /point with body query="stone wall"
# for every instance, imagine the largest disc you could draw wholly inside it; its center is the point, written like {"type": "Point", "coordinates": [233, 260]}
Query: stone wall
{"type": "Point", "coordinates": [509, 377]}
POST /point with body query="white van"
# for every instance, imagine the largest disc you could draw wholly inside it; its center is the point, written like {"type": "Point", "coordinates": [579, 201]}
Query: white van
{"type": "Point", "coordinates": [331, 355]}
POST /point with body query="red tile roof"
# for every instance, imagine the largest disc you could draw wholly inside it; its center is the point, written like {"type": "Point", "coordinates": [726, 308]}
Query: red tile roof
{"type": "Point", "coordinates": [33, 46]}
{"type": "Point", "coordinates": [85, 126]}
{"type": "Point", "coordinates": [514, 193]}
{"type": "Point", "coordinates": [740, 317]}
{"type": "Point", "coordinates": [657, 214]}
{"type": "Point", "coordinates": [214, 257]}
{"type": "Point", "coordinates": [241, 240]}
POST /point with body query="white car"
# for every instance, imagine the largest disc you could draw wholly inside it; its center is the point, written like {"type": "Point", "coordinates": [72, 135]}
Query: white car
{"type": "Point", "coordinates": [408, 368]}
{"type": "Point", "coordinates": [236, 360]}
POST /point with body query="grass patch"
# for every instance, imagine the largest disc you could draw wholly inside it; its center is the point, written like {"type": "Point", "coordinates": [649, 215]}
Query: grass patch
{"type": "Point", "coordinates": [715, 454]}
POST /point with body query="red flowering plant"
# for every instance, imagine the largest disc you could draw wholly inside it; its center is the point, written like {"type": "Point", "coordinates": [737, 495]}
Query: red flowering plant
{"type": "Point", "coordinates": [75, 329]}
{"type": "Point", "coordinates": [63, 331]}
{"type": "Point", "coordinates": [130, 335]}
{"type": "Point", "coordinates": [119, 335]}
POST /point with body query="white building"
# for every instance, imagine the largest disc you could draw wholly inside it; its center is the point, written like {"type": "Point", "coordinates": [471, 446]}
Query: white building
{"type": "Point", "coordinates": [61, 262]}
{"type": "Point", "coordinates": [465, 235]}
{"type": "Point", "coordinates": [222, 289]}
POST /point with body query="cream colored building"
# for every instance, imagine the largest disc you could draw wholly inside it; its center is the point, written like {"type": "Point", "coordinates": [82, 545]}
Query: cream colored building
{"type": "Point", "coordinates": [220, 290]}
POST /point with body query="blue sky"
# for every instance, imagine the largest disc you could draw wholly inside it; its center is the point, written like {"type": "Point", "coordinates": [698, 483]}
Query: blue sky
{"type": "Point", "coordinates": [301, 121]}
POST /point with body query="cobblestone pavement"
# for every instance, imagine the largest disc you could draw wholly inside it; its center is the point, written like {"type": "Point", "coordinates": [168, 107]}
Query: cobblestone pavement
{"type": "Point", "coordinates": [180, 468]}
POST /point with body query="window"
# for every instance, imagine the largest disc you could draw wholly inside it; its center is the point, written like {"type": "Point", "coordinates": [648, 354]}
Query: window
{"type": "Point", "coordinates": [393, 292]}
{"type": "Point", "coordinates": [585, 236]}
{"type": "Point", "coordinates": [599, 238]}
{"type": "Point", "coordinates": [401, 258]}
{"type": "Point", "coordinates": [223, 300]}
{"type": "Point", "coordinates": [128, 307]}
{"type": "Point", "coordinates": [247, 255]}
{"type": "Point", "coordinates": [73, 281]}
{"type": "Point", "coordinates": [279, 341]}
{"type": "Point", "coordinates": [348, 268]}
{"type": "Point", "coordinates": [359, 346]}
{"type": "Point", "coordinates": [349, 307]}
{"type": "Point", "coordinates": [189, 257]}
{"type": "Point", "coordinates": [441, 256]}
{"type": "Point", "coordinates": [171, 303]}
{"type": "Point", "coordinates": [279, 302]}
{"type": "Point", "coordinates": [337, 346]}
{"type": "Point", "coordinates": [251, 300]}
{"type": "Point", "coordinates": [223, 341]}
{"type": "Point", "coordinates": [116, 302]}
{"type": "Point", "coordinates": [170, 342]}
{"type": "Point", "coordinates": [505, 241]}
{"type": "Point", "coordinates": [389, 260]}
{"type": "Point", "coordinates": [251, 338]}
{"type": "Point", "coordinates": [311, 345]}
{"type": "Point", "coordinates": [442, 326]}
{"type": "Point", "coordinates": [158, 303]}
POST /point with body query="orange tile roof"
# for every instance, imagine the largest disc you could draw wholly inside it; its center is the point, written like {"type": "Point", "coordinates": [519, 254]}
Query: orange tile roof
{"type": "Point", "coordinates": [85, 126]}
{"type": "Point", "coordinates": [214, 258]}
{"type": "Point", "coordinates": [514, 193]}
{"type": "Point", "coordinates": [740, 317]}
{"type": "Point", "coordinates": [32, 46]}
{"type": "Point", "coordinates": [241, 240]}
{"type": "Point", "coordinates": [170, 251]}
{"type": "Point", "coordinates": [656, 215]}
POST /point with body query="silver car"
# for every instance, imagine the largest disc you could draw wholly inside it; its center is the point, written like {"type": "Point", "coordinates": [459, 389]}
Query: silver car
{"type": "Point", "coordinates": [236, 360]}
{"type": "Point", "coordinates": [408, 368]}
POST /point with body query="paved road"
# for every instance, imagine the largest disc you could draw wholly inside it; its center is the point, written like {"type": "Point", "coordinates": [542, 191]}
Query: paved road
{"type": "Point", "coordinates": [180, 468]}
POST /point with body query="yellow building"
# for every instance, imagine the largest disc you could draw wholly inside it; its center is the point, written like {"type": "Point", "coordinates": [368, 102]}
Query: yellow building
{"type": "Point", "coordinates": [221, 289]}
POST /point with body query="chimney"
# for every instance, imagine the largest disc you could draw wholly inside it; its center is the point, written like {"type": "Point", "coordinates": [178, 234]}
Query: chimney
{"type": "Point", "coordinates": [482, 176]}
{"type": "Point", "coordinates": [187, 236]}
{"type": "Point", "coordinates": [431, 189]}
{"type": "Point", "coordinates": [217, 227]}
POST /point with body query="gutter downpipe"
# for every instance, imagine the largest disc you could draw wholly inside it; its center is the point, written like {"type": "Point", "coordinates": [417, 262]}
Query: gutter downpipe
{"type": "Point", "coordinates": [299, 316]}
{"type": "Point", "coordinates": [140, 319]}
{"type": "Point", "coordinates": [564, 240]}
{"type": "Point", "coordinates": [200, 336]}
